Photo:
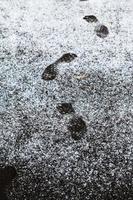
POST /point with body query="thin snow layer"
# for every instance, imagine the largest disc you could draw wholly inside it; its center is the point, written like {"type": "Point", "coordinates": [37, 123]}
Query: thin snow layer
{"type": "Point", "coordinates": [99, 84]}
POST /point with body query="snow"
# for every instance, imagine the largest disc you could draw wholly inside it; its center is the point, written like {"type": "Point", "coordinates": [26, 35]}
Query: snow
{"type": "Point", "coordinates": [33, 134]}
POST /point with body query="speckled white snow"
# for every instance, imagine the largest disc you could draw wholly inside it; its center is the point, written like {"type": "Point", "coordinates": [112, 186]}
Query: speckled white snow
{"type": "Point", "coordinates": [32, 130]}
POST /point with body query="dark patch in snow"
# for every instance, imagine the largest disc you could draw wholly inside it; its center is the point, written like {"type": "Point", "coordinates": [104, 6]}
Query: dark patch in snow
{"type": "Point", "coordinates": [49, 73]}
{"type": "Point", "coordinates": [65, 108]}
{"type": "Point", "coordinates": [77, 127]}
{"type": "Point", "coordinates": [67, 57]}
{"type": "Point", "coordinates": [101, 31]}
{"type": "Point", "coordinates": [91, 18]}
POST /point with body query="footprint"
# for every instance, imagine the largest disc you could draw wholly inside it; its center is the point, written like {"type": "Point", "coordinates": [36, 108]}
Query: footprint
{"type": "Point", "coordinates": [65, 108]}
{"type": "Point", "coordinates": [67, 57]}
{"type": "Point", "coordinates": [101, 31]}
{"type": "Point", "coordinates": [90, 18]}
{"type": "Point", "coordinates": [49, 73]}
{"type": "Point", "coordinates": [77, 127]}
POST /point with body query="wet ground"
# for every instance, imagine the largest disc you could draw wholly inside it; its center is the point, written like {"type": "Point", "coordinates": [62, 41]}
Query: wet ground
{"type": "Point", "coordinates": [66, 100]}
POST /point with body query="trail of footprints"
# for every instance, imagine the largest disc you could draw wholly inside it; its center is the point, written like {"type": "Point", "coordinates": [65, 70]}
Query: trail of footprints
{"type": "Point", "coordinates": [100, 29]}
{"type": "Point", "coordinates": [77, 126]}
{"type": "Point", "coordinates": [51, 71]}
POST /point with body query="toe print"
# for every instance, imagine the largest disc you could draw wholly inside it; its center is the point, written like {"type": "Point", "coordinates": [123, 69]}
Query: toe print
{"type": "Point", "coordinates": [68, 57]}
{"type": "Point", "coordinates": [65, 108]}
{"type": "Point", "coordinates": [90, 18]}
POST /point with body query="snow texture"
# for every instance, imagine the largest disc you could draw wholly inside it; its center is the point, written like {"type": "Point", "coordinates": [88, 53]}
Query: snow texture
{"type": "Point", "coordinates": [34, 136]}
